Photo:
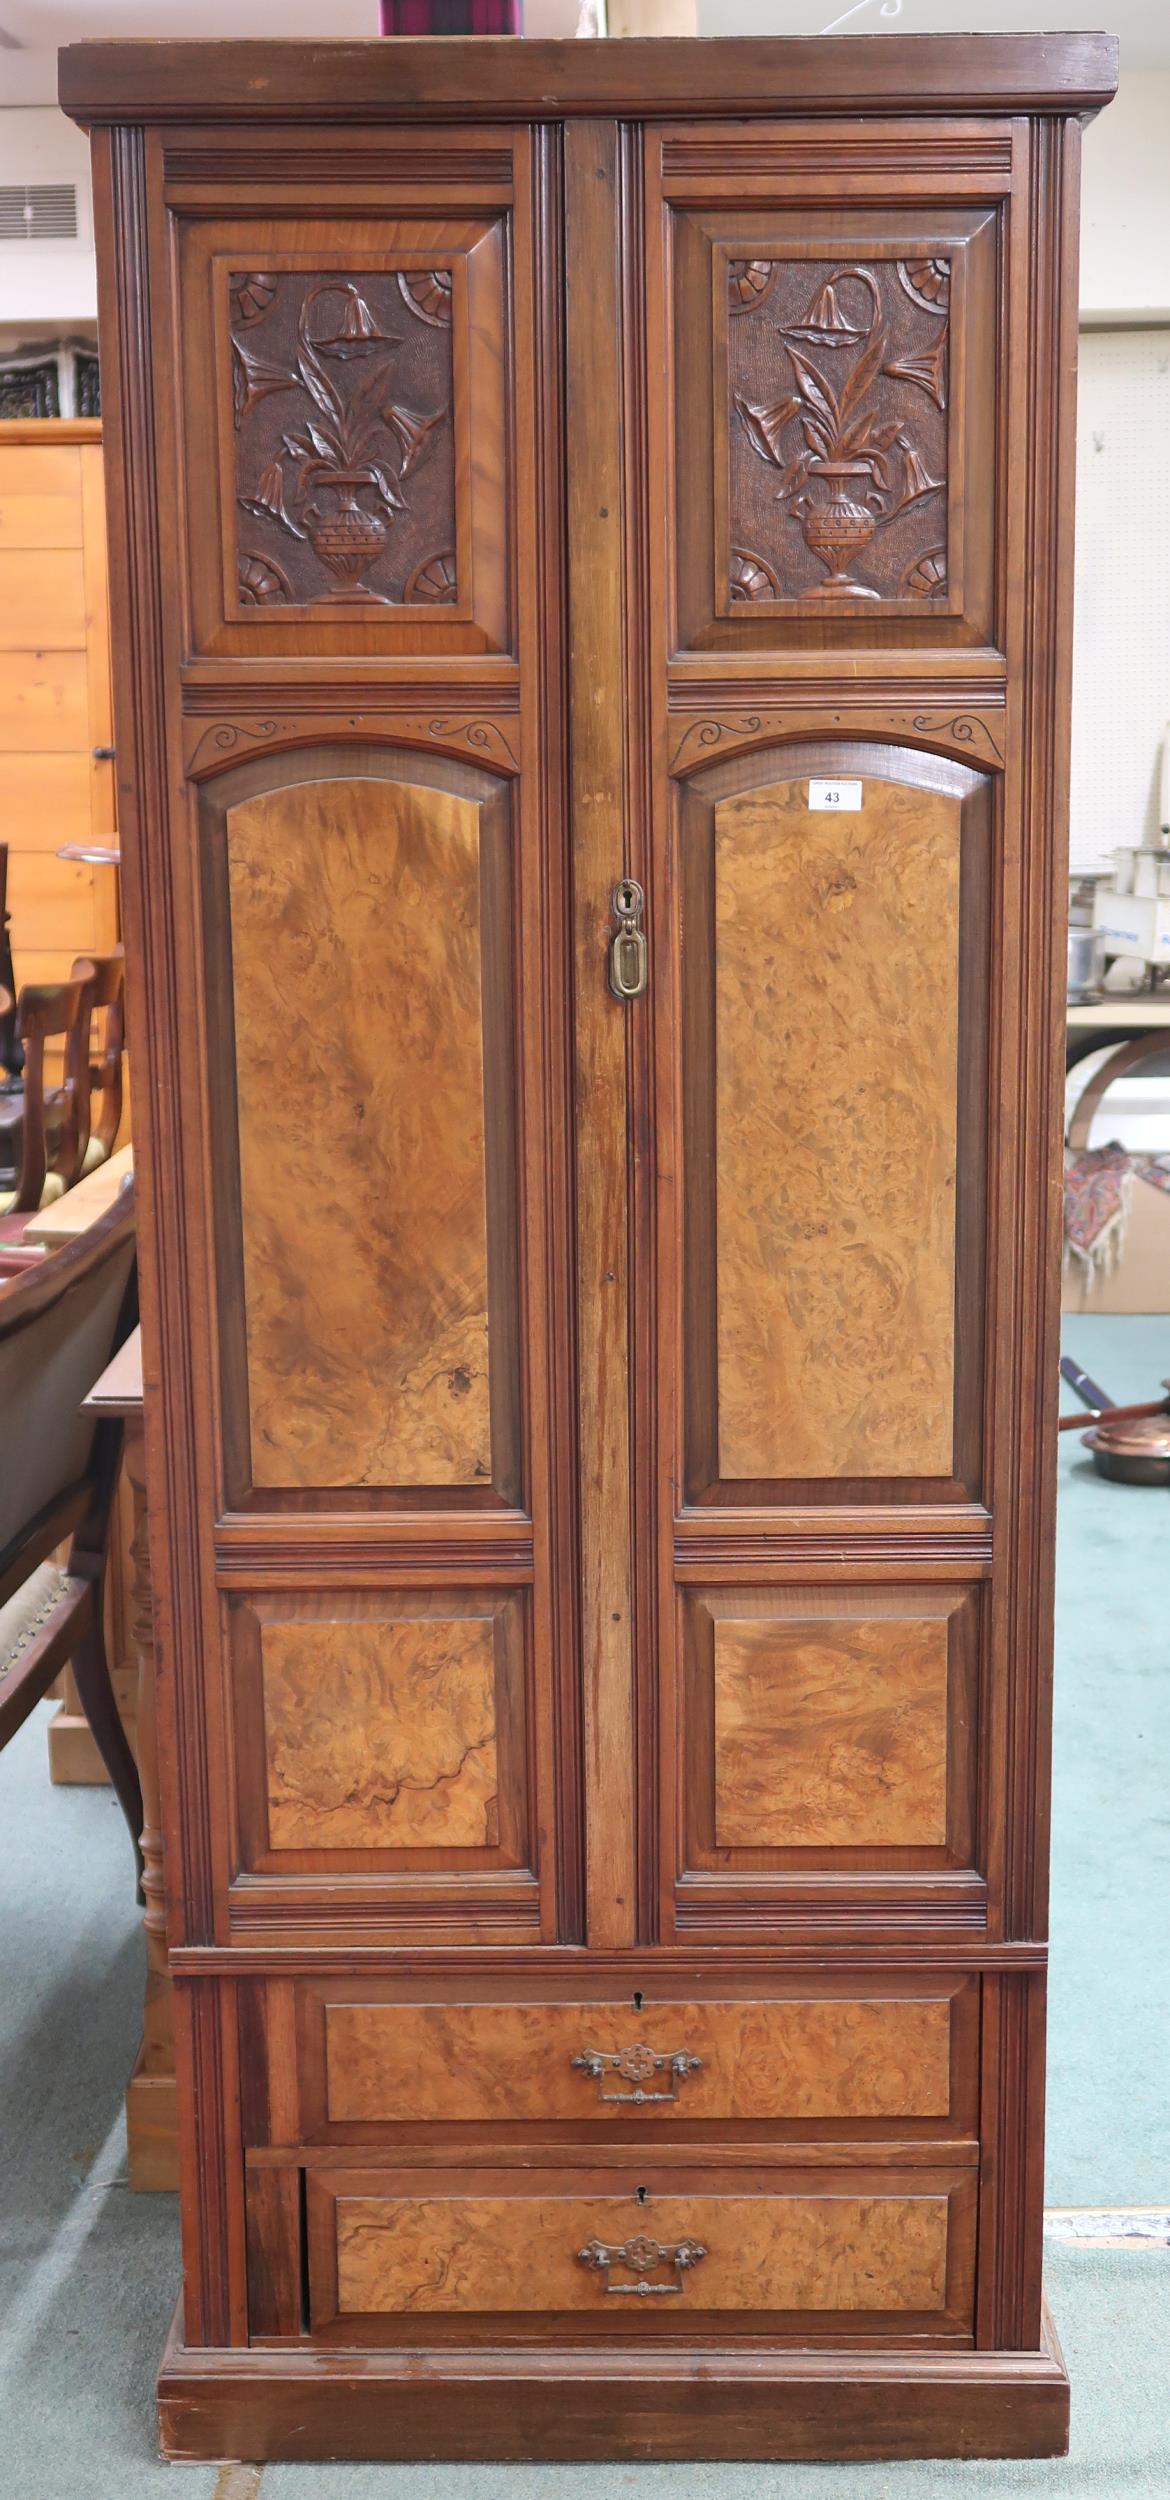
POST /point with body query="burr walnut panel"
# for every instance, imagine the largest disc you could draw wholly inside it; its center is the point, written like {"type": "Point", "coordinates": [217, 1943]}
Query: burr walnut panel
{"type": "Point", "coordinates": [836, 1042]}
{"type": "Point", "coordinates": [380, 1735]}
{"type": "Point", "coordinates": [832, 1141]}
{"type": "Point", "coordinates": [829, 1734]}
{"type": "Point", "coordinates": [370, 962]}
{"type": "Point", "coordinates": [806, 2057]}
{"type": "Point", "coordinates": [379, 1730]}
{"type": "Point", "coordinates": [829, 1727]}
{"type": "Point", "coordinates": [860, 2246]}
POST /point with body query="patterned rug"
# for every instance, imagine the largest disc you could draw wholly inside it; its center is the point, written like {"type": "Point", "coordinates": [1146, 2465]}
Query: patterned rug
{"type": "Point", "coordinates": [1098, 1183]}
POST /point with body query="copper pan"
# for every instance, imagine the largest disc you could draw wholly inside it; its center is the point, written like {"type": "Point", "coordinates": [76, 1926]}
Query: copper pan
{"type": "Point", "coordinates": [1130, 1444]}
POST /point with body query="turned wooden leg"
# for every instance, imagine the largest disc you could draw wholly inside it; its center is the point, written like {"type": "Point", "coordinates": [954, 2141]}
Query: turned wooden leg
{"type": "Point", "coordinates": [150, 2100]}
{"type": "Point", "coordinates": [96, 1694]}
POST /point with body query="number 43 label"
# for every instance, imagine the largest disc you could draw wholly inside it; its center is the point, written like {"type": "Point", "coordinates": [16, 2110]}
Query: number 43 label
{"type": "Point", "coordinates": [843, 796]}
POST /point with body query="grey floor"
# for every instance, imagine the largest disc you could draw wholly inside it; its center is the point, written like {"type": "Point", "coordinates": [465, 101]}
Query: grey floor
{"type": "Point", "coordinates": [88, 2271]}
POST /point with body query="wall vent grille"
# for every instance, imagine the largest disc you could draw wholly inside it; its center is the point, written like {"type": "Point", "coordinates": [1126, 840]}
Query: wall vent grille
{"type": "Point", "coordinates": [38, 212]}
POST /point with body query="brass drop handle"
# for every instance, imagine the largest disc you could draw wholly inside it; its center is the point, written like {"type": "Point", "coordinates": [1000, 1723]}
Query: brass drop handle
{"type": "Point", "coordinates": [636, 2065]}
{"type": "Point", "coordinates": [642, 2257]}
{"type": "Point", "coordinates": [627, 946]}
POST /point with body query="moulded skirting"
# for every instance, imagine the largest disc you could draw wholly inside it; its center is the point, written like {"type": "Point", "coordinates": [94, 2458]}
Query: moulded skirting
{"type": "Point", "coordinates": [566, 2403]}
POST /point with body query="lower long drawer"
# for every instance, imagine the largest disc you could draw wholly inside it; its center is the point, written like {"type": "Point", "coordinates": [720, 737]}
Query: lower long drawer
{"type": "Point", "coordinates": [798, 2252]}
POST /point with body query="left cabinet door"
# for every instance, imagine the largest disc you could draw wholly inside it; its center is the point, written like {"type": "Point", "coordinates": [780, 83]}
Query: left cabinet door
{"type": "Point", "coordinates": [373, 870]}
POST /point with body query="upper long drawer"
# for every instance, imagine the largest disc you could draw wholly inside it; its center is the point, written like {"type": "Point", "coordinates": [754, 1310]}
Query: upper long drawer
{"type": "Point", "coordinates": [815, 2056]}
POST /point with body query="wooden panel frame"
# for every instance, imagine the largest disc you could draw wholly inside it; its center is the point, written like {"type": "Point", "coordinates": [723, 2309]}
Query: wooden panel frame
{"type": "Point", "coordinates": [699, 1852]}
{"type": "Point", "coordinates": [500, 889]}
{"type": "Point", "coordinates": [265, 234]}
{"type": "Point", "coordinates": [623, 2209]}
{"type": "Point", "coordinates": [798, 246]}
{"type": "Point", "coordinates": [734, 200]}
{"type": "Point", "coordinates": [693, 1466]}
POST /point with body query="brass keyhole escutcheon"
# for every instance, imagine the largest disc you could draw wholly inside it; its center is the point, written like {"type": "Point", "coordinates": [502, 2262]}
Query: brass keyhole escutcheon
{"type": "Point", "coordinates": [627, 947]}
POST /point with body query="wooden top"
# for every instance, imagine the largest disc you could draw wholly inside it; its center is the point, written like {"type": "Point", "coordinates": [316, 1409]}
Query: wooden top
{"type": "Point", "coordinates": [1139, 1009]}
{"type": "Point", "coordinates": [81, 1206]}
{"type": "Point", "coordinates": [118, 1390]}
{"type": "Point", "coordinates": [506, 77]}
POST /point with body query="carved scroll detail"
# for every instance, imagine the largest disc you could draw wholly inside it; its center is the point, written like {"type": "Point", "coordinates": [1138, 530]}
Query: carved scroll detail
{"type": "Point", "coordinates": [702, 741]}
{"type": "Point", "coordinates": [226, 742]}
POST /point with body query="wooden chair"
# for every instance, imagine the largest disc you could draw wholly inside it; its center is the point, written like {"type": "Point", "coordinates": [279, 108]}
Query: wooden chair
{"type": "Point", "coordinates": [105, 1071]}
{"type": "Point", "coordinates": [106, 975]}
{"type": "Point", "coordinates": [9, 1047]}
{"type": "Point", "coordinates": [59, 1325]}
{"type": "Point", "coordinates": [52, 1153]}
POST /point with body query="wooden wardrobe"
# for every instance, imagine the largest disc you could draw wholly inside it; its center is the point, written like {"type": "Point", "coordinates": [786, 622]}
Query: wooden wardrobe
{"type": "Point", "coordinates": [591, 548]}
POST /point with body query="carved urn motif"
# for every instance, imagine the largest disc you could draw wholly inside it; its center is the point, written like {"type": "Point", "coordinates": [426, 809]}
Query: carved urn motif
{"type": "Point", "coordinates": [838, 524]}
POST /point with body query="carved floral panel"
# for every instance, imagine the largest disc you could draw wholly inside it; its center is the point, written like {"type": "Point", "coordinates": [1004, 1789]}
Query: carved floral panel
{"type": "Point", "coordinates": [837, 432]}
{"type": "Point", "coordinates": [344, 437]}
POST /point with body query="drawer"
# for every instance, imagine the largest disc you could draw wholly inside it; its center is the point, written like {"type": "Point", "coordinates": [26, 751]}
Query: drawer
{"type": "Point", "coordinates": [808, 2252]}
{"type": "Point", "coordinates": [897, 2057]}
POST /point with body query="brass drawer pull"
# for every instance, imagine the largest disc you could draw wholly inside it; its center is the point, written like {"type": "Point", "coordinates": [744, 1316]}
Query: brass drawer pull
{"type": "Point", "coordinates": [640, 2256]}
{"type": "Point", "coordinates": [636, 2065]}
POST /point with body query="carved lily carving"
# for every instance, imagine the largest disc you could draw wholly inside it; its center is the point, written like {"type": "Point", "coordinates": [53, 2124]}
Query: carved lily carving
{"type": "Point", "coordinates": [846, 468]}
{"type": "Point", "coordinates": [336, 479]}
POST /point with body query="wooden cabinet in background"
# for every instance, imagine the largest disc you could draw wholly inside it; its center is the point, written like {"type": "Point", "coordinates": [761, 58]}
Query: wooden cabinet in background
{"type": "Point", "coordinates": [55, 705]}
{"type": "Point", "coordinates": [591, 533]}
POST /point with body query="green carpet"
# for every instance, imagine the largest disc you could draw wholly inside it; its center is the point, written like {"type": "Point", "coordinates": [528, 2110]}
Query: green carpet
{"type": "Point", "coordinates": [88, 2272]}
{"type": "Point", "coordinates": [1109, 2019]}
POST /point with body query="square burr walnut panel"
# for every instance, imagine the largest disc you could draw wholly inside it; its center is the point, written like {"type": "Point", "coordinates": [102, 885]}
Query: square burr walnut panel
{"type": "Point", "coordinates": [356, 507]}
{"type": "Point", "coordinates": [832, 399]}
{"type": "Point", "coordinates": [381, 1732]}
{"type": "Point", "coordinates": [829, 1728]}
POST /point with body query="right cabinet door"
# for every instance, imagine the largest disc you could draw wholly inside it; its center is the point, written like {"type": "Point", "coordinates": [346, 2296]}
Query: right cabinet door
{"type": "Point", "coordinates": [821, 1355]}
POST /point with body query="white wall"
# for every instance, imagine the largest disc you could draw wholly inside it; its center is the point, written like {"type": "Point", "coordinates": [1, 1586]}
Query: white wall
{"type": "Point", "coordinates": [46, 285]}
{"type": "Point", "coordinates": [1125, 255]}
{"type": "Point", "coordinates": [1125, 212]}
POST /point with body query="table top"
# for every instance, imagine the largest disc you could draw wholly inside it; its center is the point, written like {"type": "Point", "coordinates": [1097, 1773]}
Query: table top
{"type": "Point", "coordinates": [118, 1391]}
{"type": "Point", "coordinates": [1142, 1011]}
{"type": "Point", "coordinates": [81, 1205]}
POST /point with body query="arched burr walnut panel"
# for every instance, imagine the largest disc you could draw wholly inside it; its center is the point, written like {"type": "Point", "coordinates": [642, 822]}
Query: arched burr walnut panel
{"type": "Point", "coordinates": [833, 1131]}
{"type": "Point", "coordinates": [361, 957]}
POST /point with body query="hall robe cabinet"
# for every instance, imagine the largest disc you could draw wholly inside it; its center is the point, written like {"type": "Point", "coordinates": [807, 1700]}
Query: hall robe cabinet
{"type": "Point", "coordinates": [591, 544]}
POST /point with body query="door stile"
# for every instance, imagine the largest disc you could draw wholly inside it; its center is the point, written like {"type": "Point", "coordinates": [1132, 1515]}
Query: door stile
{"type": "Point", "coordinates": [644, 760]}
{"type": "Point", "coordinates": [599, 818]}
